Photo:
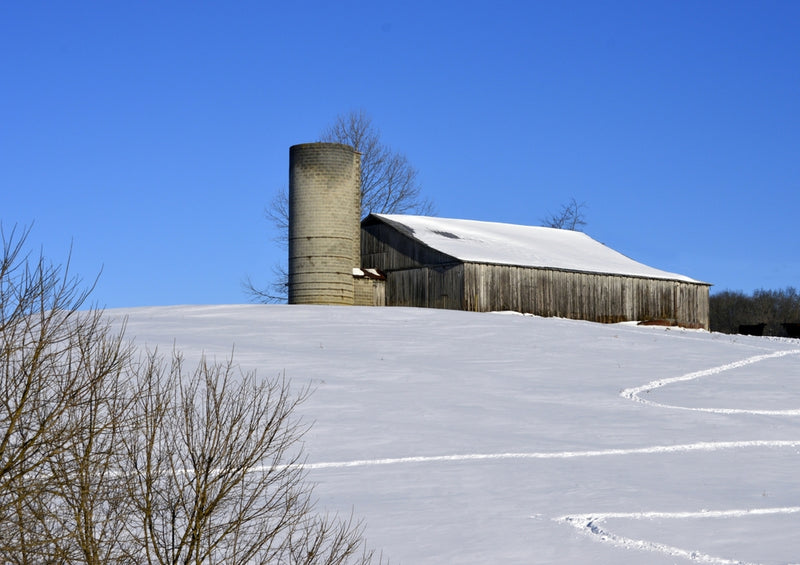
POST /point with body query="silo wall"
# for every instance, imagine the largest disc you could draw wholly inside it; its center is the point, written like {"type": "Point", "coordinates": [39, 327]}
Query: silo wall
{"type": "Point", "coordinates": [324, 222]}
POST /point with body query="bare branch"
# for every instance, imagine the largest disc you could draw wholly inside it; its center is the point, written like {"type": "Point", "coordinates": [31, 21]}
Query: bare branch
{"type": "Point", "coordinates": [570, 217]}
{"type": "Point", "coordinates": [388, 181]}
{"type": "Point", "coordinates": [276, 292]}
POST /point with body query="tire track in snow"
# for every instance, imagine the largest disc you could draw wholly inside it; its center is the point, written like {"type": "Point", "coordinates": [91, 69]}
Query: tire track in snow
{"type": "Point", "coordinates": [634, 393]}
{"type": "Point", "coordinates": [631, 394]}
{"type": "Point", "coordinates": [591, 524]}
{"type": "Point", "coordinates": [655, 449]}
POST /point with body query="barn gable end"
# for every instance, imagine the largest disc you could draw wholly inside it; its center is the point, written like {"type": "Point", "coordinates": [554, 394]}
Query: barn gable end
{"type": "Point", "coordinates": [395, 248]}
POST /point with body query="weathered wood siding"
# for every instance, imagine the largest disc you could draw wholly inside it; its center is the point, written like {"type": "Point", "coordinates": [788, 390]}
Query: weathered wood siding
{"type": "Point", "coordinates": [427, 287]}
{"type": "Point", "coordinates": [369, 292]}
{"type": "Point", "coordinates": [583, 296]}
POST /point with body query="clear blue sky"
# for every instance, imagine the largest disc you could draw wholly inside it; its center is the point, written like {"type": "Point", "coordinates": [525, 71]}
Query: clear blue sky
{"type": "Point", "coordinates": [151, 135]}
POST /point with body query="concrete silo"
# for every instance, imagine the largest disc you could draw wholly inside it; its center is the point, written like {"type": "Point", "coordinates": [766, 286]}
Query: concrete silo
{"type": "Point", "coordinates": [324, 222]}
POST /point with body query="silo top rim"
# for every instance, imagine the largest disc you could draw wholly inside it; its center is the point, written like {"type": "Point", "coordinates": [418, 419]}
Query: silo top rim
{"type": "Point", "coordinates": [324, 143]}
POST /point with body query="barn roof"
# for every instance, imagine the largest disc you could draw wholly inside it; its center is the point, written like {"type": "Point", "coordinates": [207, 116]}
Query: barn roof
{"type": "Point", "coordinates": [474, 241]}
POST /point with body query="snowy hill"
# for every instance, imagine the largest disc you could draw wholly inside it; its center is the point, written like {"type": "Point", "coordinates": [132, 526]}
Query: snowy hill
{"type": "Point", "coordinates": [496, 438]}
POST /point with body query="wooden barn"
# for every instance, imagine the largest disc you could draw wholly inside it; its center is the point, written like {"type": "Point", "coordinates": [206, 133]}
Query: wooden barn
{"type": "Point", "coordinates": [485, 266]}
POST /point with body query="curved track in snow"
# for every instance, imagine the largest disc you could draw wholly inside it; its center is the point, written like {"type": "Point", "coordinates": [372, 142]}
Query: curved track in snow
{"type": "Point", "coordinates": [593, 524]}
{"type": "Point", "coordinates": [634, 393]}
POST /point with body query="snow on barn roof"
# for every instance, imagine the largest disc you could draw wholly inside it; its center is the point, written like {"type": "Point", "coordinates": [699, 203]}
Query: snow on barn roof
{"type": "Point", "coordinates": [525, 246]}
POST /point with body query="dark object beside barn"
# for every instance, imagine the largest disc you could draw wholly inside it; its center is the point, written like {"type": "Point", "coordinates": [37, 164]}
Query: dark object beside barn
{"type": "Point", "coordinates": [792, 329]}
{"type": "Point", "coordinates": [752, 329]}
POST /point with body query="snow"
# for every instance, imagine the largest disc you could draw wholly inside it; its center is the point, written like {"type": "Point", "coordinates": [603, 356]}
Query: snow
{"type": "Point", "coordinates": [482, 438]}
{"type": "Point", "coordinates": [525, 246]}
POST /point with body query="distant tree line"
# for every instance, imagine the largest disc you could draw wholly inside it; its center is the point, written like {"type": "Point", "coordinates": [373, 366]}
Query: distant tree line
{"type": "Point", "coordinates": [765, 311]}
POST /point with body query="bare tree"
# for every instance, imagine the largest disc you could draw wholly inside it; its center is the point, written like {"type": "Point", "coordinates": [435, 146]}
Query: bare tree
{"type": "Point", "coordinates": [570, 217]}
{"type": "Point", "coordinates": [111, 457]}
{"type": "Point", "coordinates": [389, 185]}
{"type": "Point", "coordinates": [388, 181]}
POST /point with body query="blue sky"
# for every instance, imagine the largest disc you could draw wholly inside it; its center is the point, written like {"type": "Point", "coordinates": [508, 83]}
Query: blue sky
{"type": "Point", "coordinates": [150, 136]}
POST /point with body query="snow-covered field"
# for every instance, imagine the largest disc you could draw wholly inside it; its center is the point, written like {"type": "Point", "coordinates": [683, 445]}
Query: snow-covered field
{"type": "Point", "coordinates": [500, 438]}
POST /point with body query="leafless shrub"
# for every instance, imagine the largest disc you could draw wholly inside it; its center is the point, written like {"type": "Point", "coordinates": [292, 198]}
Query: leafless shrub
{"type": "Point", "coordinates": [107, 456]}
{"type": "Point", "coordinates": [58, 367]}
